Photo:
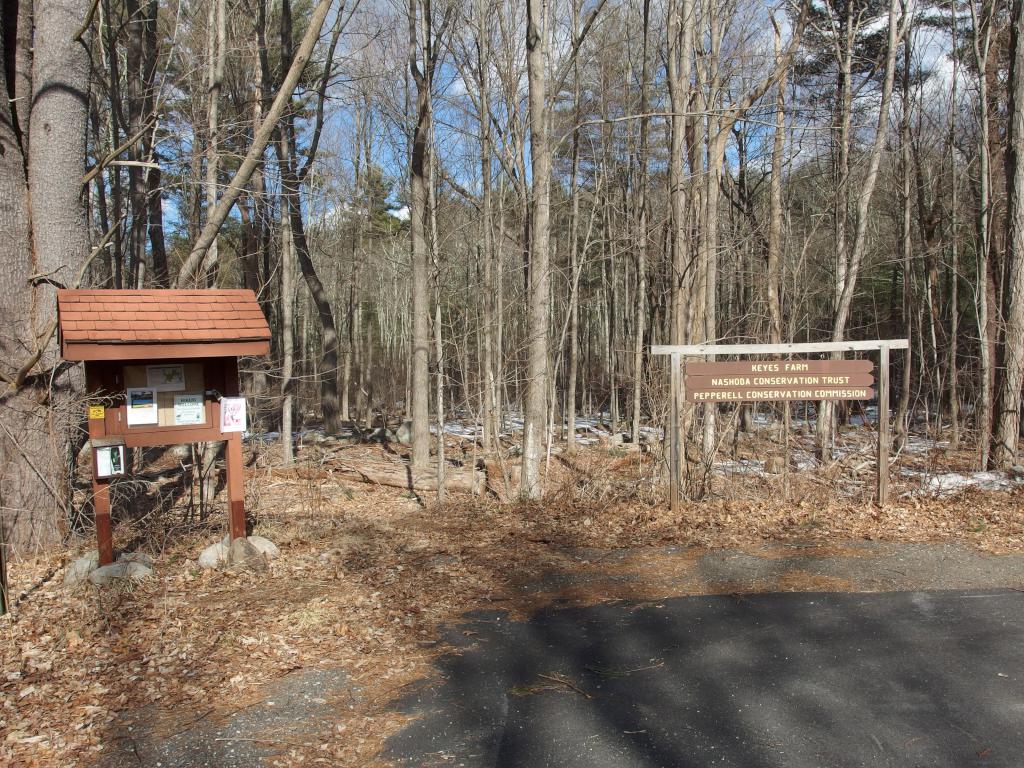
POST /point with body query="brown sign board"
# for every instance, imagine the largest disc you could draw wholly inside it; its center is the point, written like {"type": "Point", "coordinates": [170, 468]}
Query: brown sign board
{"type": "Point", "coordinates": [767, 380]}
{"type": "Point", "coordinates": [741, 367]}
{"type": "Point", "coordinates": [762, 394]}
{"type": "Point", "coordinates": [780, 380]}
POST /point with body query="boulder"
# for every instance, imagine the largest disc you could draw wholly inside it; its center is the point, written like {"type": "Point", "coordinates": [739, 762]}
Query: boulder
{"type": "Point", "coordinates": [123, 571]}
{"type": "Point", "coordinates": [219, 553]}
{"type": "Point", "coordinates": [404, 433]}
{"type": "Point", "coordinates": [79, 570]}
{"type": "Point", "coordinates": [82, 568]}
{"type": "Point", "coordinates": [265, 546]}
{"type": "Point", "coordinates": [136, 557]}
{"type": "Point", "coordinates": [381, 435]}
{"type": "Point", "coordinates": [243, 553]}
{"type": "Point", "coordinates": [214, 555]}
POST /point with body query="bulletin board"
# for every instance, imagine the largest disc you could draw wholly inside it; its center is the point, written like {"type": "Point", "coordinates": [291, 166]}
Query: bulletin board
{"type": "Point", "coordinates": [176, 395]}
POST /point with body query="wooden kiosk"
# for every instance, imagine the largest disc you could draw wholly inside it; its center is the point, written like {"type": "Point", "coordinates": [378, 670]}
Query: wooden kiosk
{"type": "Point", "coordinates": [161, 368]}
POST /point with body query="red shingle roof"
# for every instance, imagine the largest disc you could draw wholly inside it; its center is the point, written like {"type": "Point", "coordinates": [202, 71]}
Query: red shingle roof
{"type": "Point", "coordinates": [158, 317]}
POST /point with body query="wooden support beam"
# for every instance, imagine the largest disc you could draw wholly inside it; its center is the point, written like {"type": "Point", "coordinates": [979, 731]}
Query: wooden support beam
{"type": "Point", "coordinates": [883, 427]}
{"type": "Point", "coordinates": [101, 512]}
{"type": "Point", "coordinates": [674, 439]}
{"type": "Point", "coordinates": [705, 350]}
{"type": "Point", "coordinates": [235, 486]}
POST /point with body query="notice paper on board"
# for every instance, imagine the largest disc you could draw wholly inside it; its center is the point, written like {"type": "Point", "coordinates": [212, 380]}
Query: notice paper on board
{"type": "Point", "coordinates": [142, 408]}
{"type": "Point", "coordinates": [189, 409]}
{"type": "Point", "coordinates": [232, 414]}
{"type": "Point", "coordinates": [166, 378]}
{"type": "Point", "coordinates": [110, 461]}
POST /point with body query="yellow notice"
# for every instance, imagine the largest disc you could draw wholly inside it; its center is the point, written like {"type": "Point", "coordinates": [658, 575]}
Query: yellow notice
{"type": "Point", "coordinates": [96, 411]}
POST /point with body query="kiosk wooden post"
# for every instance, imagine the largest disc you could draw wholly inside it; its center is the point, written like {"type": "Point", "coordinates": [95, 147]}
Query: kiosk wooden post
{"type": "Point", "coordinates": [101, 512]}
{"type": "Point", "coordinates": [160, 368]}
{"type": "Point", "coordinates": [733, 392]}
{"type": "Point", "coordinates": [236, 486]}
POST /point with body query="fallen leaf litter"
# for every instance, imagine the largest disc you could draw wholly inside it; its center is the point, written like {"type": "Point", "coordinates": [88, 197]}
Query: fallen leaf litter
{"type": "Point", "coordinates": [368, 577]}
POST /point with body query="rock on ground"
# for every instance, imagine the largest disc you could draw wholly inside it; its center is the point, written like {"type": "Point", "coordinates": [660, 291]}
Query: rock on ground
{"type": "Point", "coordinates": [243, 553]}
{"type": "Point", "coordinates": [219, 553]}
{"type": "Point", "coordinates": [214, 555]}
{"type": "Point", "coordinates": [83, 568]}
{"type": "Point", "coordinates": [124, 570]}
{"type": "Point", "coordinates": [265, 546]}
{"type": "Point", "coordinates": [79, 570]}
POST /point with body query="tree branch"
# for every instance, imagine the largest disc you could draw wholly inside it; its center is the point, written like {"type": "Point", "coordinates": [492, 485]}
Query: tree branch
{"type": "Point", "coordinates": [188, 274]}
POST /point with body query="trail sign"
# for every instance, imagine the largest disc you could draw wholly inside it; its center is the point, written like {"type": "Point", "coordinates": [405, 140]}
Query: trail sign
{"type": "Point", "coordinates": [787, 392]}
{"type": "Point", "coordinates": [767, 380]}
{"type": "Point", "coordinates": [752, 367]}
{"type": "Point", "coordinates": [781, 380]}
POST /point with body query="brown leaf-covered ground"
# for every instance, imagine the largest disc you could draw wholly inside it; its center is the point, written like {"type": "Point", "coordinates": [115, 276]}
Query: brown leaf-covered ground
{"type": "Point", "coordinates": [368, 576]}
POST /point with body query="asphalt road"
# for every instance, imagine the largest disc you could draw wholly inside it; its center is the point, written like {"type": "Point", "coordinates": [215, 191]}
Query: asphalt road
{"type": "Point", "coordinates": [802, 680]}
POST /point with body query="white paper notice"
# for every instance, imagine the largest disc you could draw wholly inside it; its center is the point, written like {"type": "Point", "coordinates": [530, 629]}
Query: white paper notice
{"type": "Point", "coordinates": [232, 414]}
{"type": "Point", "coordinates": [166, 378]}
{"type": "Point", "coordinates": [142, 408]}
{"type": "Point", "coordinates": [189, 409]}
{"type": "Point", "coordinates": [110, 461]}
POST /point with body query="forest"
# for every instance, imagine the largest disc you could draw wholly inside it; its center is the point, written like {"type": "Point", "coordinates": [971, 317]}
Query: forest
{"type": "Point", "coordinates": [473, 227]}
{"type": "Point", "coordinates": [471, 211]}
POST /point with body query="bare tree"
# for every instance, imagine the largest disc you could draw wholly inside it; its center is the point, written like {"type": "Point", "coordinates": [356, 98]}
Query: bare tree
{"type": "Point", "coordinates": [851, 258]}
{"type": "Point", "coordinates": [188, 273]}
{"type": "Point", "coordinates": [538, 319]}
{"type": "Point", "coordinates": [1011, 350]}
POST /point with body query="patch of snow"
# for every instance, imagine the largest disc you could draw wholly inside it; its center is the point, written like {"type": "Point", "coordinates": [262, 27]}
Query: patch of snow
{"type": "Point", "coordinates": [740, 467]}
{"type": "Point", "coordinates": [949, 483]}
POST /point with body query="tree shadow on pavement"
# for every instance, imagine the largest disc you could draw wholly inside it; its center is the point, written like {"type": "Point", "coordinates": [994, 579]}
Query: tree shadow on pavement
{"type": "Point", "coordinates": [798, 679]}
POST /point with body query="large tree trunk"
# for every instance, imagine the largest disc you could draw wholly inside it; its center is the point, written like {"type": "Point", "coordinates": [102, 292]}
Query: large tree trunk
{"type": "Point", "coordinates": [640, 321]}
{"type": "Point", "coordinates": [902, 419]}
{"type": "Point", "coordinates": [574, 267]}
{"type": "Point", "coordinates": [954, 247]}
{"type": "Point", "coordinates": [287, 336]}
{"type": "Point", "coordinates": [418, 180]}
{"type": "Point", "coordinates": [538, 320]}
{"type": "Point", "coordinates": [680, 42]}
{"type": "Point", "coordinates": [775, 213]}
{"type": "Point", "coordinates": [981, 38]}
{"type": "Point", "coordinates": [491, 430]}
{"type": "Point", "coordinates": [216, 55]}
{"type": "Point", "coordinates": [1011, 351]}
{"type": "Point", "coordinates": [39, 405]}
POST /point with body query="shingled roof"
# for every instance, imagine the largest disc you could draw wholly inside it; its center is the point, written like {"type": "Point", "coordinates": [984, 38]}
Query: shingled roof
{"type": "Point", "coordinates": [163, 323]}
